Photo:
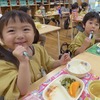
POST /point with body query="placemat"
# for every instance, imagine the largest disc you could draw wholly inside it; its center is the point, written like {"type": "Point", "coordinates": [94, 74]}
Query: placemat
{"type": "Point", "coordinates": [93, 50]}
{"type": "Point", "coordinates": [87, 79]}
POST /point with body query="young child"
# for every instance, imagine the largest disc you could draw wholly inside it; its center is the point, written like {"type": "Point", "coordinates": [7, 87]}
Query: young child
{"type": "Point", "coordinates": [27, 10]}
{"type": "Point", "coordinates": [85, 8]}
{"type": "Point", "coordinates": [82, 41]}
{"type": "Point", "coordinates": [39, 11]}
{"type": "Point", "coordinates": [21, 62]}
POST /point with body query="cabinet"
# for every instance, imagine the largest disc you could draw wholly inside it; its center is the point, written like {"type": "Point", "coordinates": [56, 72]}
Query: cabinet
{"type": "Point", "coordinates": [7, 5]}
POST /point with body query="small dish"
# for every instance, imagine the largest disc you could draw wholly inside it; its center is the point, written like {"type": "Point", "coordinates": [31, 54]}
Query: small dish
{"type": "Point", "coordinates": [98, 45]}
{"type": "Point", "coordinates": [94, 89]}
{"type": "Point", "coordinates": [56, 91]}
{"type": "Point", "coordinates": [78, 67]}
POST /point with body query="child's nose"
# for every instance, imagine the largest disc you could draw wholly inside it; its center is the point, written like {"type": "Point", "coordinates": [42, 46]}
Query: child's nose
{"type": "Point", "coordinates": [93, 25]}
{"type": "Point", "coordinates": [20, 35]}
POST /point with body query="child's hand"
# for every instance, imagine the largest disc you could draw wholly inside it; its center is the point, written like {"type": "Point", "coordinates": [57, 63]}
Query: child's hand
{"type": "Point", "coordinates": [65, 58]}
{"type": "Point", "coordinates": [87, 42]}
{"type": "Point", "coordinates": [18, 53]}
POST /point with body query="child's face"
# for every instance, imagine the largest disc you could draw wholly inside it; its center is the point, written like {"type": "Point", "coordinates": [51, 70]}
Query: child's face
{"type": "Point", "coordinates": [17, 33]}
{"type": "Point", "coordinates": [29, 13]}
{"type": "Point", "coordinates": [91, 25]}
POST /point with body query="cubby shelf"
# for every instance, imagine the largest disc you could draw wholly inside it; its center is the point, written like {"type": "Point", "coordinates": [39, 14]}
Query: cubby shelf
{"type": "Point", "coordinates": [6, 5]}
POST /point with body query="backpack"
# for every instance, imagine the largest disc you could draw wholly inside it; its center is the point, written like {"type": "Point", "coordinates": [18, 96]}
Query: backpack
{"type": "Point", "coordinates": [66, 23]}
{"type": "Point", "coordinates": [64, 49]}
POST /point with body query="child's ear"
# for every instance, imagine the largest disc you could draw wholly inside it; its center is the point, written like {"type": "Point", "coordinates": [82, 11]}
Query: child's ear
{"type": "Point", "coordinates": [83, 25]}
{"type": "Point", "coordinates": [1, 42]}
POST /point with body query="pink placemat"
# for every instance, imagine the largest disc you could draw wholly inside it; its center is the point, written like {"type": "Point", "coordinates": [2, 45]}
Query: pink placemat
{"type": "Point", "coordinates": [87, 79]}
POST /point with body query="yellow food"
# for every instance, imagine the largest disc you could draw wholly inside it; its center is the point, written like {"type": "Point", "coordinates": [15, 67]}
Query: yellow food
{"type": "Point", "coordinates": [74, 88]}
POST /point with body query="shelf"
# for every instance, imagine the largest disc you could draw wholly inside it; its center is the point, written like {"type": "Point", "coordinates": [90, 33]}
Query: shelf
{"type": "Point", "coordinates": [22, 2]}
{"type": "Point", "coordinates": [3, 3]}
{"type": "Point", "coordinates": [38, 1]}
{"type": "Point", "coordinates": [45, 1]}
{"type": "Point", "coordinates": [13, 3]}
{"type": "Point", "coordinates": [30, 2]}
{"type": "Point", "coordinates": [34, 4]}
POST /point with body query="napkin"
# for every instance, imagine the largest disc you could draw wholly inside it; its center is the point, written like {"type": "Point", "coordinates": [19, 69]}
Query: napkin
{"type": "Point", "coordinates": [93, 50]}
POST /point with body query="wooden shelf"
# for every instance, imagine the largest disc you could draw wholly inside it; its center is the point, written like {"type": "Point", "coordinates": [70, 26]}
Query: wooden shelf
{"type": "Point", "coordinates": [6, 5]}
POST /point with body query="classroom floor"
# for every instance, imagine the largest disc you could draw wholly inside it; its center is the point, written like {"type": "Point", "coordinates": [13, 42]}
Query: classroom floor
{"type": "Point", "coordinates": [51, 42]}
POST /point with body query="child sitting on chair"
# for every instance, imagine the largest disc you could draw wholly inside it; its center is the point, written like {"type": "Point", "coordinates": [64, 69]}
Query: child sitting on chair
{"type": "Point", "coordinates": [83, 40]}
{"type": "Point", "coordinates": [22, 62]}
{"type": "Point", "coordinates": [85, 8]}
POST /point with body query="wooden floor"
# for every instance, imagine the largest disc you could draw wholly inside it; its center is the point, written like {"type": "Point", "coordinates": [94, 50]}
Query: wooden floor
{"type": "Point", "coordinates": [51, 42]}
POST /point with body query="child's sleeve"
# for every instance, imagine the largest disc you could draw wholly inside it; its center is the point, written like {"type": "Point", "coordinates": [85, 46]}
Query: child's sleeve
{"type": "Point", "coordinates": [46, 60]}
{"type": "Point", "coordinates": [8, 78]}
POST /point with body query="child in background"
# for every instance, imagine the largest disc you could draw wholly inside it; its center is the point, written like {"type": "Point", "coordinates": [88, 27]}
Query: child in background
{"type": "Point", "coordinates": [39, 11]}
{"type": "Point", "coordinates": [55, 18]}
{"type": "Point", "coordinates": [27, 10]}
{"type": "Point", "coordinates": [21, 62]}
{"type": "Point", "coordinates": [73, 14]}
{"type": "Point", "coordinates": [85, 8]}
{"type": "Point", "coordinates": [91, 23]}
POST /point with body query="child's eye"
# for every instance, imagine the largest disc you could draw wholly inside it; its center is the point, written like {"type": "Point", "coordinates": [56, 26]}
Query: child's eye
{"type": "Point", "coordinates": [26, 29]}
{"type": "Point", "coordinates": [90, 22]}
{"type": "Point", "coordinates": [97, 24]}
{"type": "Point", "coordinates": [10, 30]}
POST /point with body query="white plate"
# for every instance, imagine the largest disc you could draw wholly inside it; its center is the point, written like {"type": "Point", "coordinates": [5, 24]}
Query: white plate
{"type": "Point", "coordinates": [78, 67]}
{"type": "Point", "coordinates": [58, 92]}
{"type": "Point", "coordinates": [98, 45]}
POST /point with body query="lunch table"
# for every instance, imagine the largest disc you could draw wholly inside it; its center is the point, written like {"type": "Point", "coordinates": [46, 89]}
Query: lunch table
{"type": "Point", "coordinates": [49, 15]}
{"type": "Point", "coordinates": [49, 28]}
{"type": "Point", "coordinates": [91, 58]}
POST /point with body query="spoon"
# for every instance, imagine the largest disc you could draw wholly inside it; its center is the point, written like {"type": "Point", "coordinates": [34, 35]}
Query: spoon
{"type": "Point", "coordinates": [98, 50]}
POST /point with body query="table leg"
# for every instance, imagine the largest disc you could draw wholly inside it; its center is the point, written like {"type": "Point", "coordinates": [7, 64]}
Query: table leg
{"type": "Point", "coordinates": [43, 20]}
{"type": "Point", "coordinates": [58, 43]}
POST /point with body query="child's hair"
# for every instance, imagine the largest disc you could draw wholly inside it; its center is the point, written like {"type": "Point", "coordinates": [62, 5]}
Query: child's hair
{"type": "Point", "coordinates": [73, 6]}
{"type": "Point", "coordinates": [23, 17]}
{"type": "Point", "coordinates": [24, 8]}
{"type": "Point", "coordinates": [41, 4]}
{"type": "Point", "coordinates": [91, 15]}
{"type": "Point", "coordinates": [84, 5]}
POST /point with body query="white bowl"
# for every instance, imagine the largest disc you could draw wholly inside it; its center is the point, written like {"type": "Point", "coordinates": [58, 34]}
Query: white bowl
{"type": "Point", "coordinates": [78, 67]}
{"type": "Point", "coordinates": [56, 91]}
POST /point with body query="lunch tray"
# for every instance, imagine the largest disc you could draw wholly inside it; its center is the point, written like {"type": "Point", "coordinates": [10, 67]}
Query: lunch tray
{"type": "Point", "coordinates": [87, 79]}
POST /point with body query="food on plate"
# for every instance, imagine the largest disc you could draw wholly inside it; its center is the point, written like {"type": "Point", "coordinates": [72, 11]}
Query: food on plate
{"type": "Point", "coordinates": [64, 87]}
{"type": "Point", "coordinates": [71, 85]}
{"type": "Point", "coordinates": [74, 88]}
{"type": "Point", "coordinates": [54, 93]}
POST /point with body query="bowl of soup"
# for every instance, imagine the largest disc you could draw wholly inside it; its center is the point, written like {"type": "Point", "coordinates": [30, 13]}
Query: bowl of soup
{"type": "Point", "coordinates": [94, 90]}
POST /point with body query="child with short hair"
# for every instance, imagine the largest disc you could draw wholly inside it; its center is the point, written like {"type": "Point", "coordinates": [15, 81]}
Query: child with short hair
{"type": "Point", "coordinates": [91, 23]}
{"type": "Point", "coordinates": [21, 62]}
